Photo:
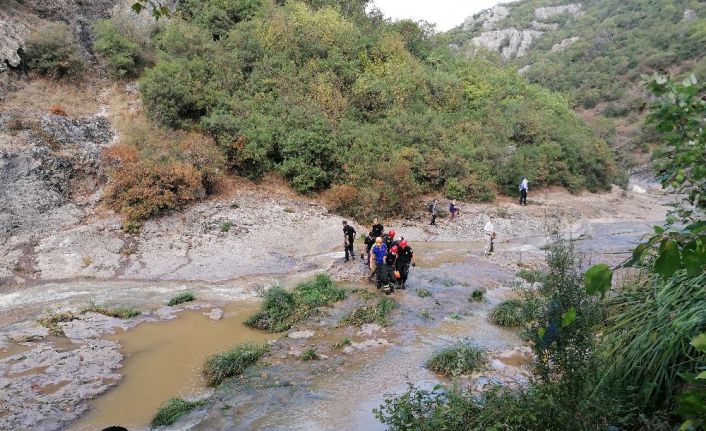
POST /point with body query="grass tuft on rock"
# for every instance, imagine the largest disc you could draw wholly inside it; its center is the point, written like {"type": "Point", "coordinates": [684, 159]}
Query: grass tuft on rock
{"type": "Point", "coordinates": [281, 309]}
{"type": "Point", "coordinates": [232, 362]}
{"type": "Point", "coordinates": [117, 312]}
{"type": "Point", "coordinates": [310, 355]}
{"type": "Point", "coordinates": [508, 313]}
{"type": "Point", "coordinates": [423, 293]}
{"type": "Point", "coordinates": [531, 276]}
{"type": "Point", "coordinates": [461, 358]}
{"type": "Point", "coordinates": [181, 298]}
{"type": "Point", "coordinates": [172, 410]}
{"type": "Point", "coordinates": [371, 313]}
{"type": "Point", "coordinates": [346, 341]}
{"type": "Point", "coordinates": [478, 295]}
{"type": "Point", "coordinates": [52, 319]}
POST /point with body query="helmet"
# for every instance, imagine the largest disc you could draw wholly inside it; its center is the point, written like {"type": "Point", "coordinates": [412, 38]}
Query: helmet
{"type": "Point", "coordinates": [391, 233]}
{"type": "Point", "coordinates": [403, 243]}
{"type": "Point", "coordinates": [394, 249]}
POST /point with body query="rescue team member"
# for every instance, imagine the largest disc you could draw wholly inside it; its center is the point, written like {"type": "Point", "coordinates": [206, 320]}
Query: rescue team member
{"type": "Point", "coordinates": [405, 258]}
{"type": "Point", "coordinates": [348, 238]}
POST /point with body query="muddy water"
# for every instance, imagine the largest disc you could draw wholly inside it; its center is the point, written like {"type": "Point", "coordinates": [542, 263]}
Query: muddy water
{"type": "Point", "coordinates": [163, 361]}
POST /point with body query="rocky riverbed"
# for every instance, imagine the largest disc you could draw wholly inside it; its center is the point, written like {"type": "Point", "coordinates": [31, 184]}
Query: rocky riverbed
{"type": "Point", "coordinates": [273, 238]}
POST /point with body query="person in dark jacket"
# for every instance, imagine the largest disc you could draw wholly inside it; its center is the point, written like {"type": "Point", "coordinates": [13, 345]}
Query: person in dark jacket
{"type": "Point", "coordinates": [405, 258]}
{"type": "Point", "coordinates": [433, 211]}
{"type": "Point", "coordinates": [369, 241]}
{"type": "Point", "coordinates": [524, 188]}
{"type": "Point", "coordinates": [390, 268]}
{"type": "Point", "coordinates": [377, 228]}
{"type": "Point", "coordinates": [348, 238]}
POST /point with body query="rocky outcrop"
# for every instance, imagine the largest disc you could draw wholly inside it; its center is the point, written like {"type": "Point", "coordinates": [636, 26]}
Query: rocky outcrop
{"type": "Point", "coordinates": [12, 36]}
{"type": "Point", "coordinates": [510, 43]}
{"type": "Point", "coordinates": [514, 42]}
{"type": "Point", "coordinates": [547, 13]}
{"type": "Point", "coordinates": [565, 44]}
{"type": "Point", "coordinates": [45, 163]}
{"type": "Point", "coordinates": [690, 15]}
{"type": "Point", "coordinates": [487, 20]}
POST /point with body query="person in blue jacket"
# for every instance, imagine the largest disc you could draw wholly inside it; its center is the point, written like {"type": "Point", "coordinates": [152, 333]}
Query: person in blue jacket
{"type": "Point", "coordinates": [378, 253]}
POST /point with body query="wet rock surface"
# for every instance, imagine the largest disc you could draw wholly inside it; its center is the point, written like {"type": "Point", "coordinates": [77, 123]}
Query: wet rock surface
{"type": "Point", "coordinates": [47, 385]}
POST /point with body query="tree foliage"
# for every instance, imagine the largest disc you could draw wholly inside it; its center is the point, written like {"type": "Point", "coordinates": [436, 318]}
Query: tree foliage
{"type": "Point", "coordinates": [329, 96]}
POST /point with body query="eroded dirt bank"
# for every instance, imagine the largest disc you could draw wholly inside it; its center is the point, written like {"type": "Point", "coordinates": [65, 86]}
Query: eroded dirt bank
{"type": "Point", "coordinates": [273, 237]}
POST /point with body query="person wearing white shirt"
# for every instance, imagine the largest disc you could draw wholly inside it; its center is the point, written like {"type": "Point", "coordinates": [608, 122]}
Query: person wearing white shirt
{"type": "Point", "coordinates": [490, 231]}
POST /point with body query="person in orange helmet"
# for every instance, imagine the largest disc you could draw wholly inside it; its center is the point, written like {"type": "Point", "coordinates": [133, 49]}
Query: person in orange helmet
{"type": "Point", "coordinates": [405, 258]}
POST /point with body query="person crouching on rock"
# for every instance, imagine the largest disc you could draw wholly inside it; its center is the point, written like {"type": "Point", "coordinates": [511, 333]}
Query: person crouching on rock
{"type": "Point", "coordinates": [377, 261]}
{"type": "Point", "coordinates": [390, 269]}
{"type": "Point", "coordinates": [405, 258]}
{"type": "Point", "coordinates": [348, 238]}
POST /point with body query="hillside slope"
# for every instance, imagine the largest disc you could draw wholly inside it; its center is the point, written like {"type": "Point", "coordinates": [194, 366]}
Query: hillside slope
{"type": "Point", "coordinates": [594, 52]}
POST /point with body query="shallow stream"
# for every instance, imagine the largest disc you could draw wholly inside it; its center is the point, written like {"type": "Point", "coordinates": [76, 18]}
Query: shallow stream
{"type": "Point", "coordinates": [163, 359]}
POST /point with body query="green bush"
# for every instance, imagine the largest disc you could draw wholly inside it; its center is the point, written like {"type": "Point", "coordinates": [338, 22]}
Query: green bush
{"type": "Point", "coordinates": [478, 295]}
{"type": "Point", "coordinates": [461, 358]}
{"type": "Point", "coordinates": [181, 298]}
{"type": "Point", "coordinates": [649, 327]}
{"type": "Point", "coordinates": [310, 355]}
{"type": "Point", "coordinates": [172, 410]}
{"type": "Point", "coordinates": [120, 46]}
{"type": "Point", "coordinates": [218, 16]}
{"type": "Point", "coordinates": [281, 309]}
{"type": "Point", "coordinates": [531, 276]}
{"type": "Point", "coordinates": [52, 50]}
{"type": "Point", "coordinates": [371, 313]}
{"type": "Point", "coordinates": [508, 313]}
{"type": "Point", "coordinates": [232, 362]}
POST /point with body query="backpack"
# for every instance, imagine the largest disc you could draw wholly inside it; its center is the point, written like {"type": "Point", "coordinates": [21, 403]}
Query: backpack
{"type": "Point", "coordinates": [430, 207]}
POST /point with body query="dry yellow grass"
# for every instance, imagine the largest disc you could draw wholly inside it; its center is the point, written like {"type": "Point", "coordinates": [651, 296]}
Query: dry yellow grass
{"type": "Point", "coordinates": [78, 99]}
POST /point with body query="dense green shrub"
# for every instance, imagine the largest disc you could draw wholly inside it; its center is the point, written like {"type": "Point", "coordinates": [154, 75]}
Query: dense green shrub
{"type": "Point", "coordinates": [461, 358]}
{"type": "Point", "coordinates": [281, 309]}
{"type": "Point", "coordinates": [172, 410]}
{"type": "Point", "coordinates": [232, 362]}
{"type": "Point", "coordinates": [333, 102]}
{"type": "Point", "coordinates": [508, 313]}
{"type": "Point", "coordinates": [52, 50]}
{"type": "Point", "coordinates": [121, 46]}
{"type": "Point", "coordinates": [650, 325]}
{"type": "Point", "coordinates": [218, 16]}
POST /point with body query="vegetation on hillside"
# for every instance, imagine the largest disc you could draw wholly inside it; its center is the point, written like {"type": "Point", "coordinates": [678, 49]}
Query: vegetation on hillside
{"type": "Point", "coordinates": [343, 102]}
{"type": "Point", "coordinates": [635, 359]}
{"type": "Point", "coordinates": [618, 41]}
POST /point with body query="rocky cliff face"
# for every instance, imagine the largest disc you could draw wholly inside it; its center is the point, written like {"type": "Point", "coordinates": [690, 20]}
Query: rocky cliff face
{"type": "Point", "coordinates": [49, 170]}
{"type": "Point", "coordinates": [514, 41]}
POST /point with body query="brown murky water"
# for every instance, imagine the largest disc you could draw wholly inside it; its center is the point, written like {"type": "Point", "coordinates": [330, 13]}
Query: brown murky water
{"type": "Point", "coordinates": [163, 361]}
